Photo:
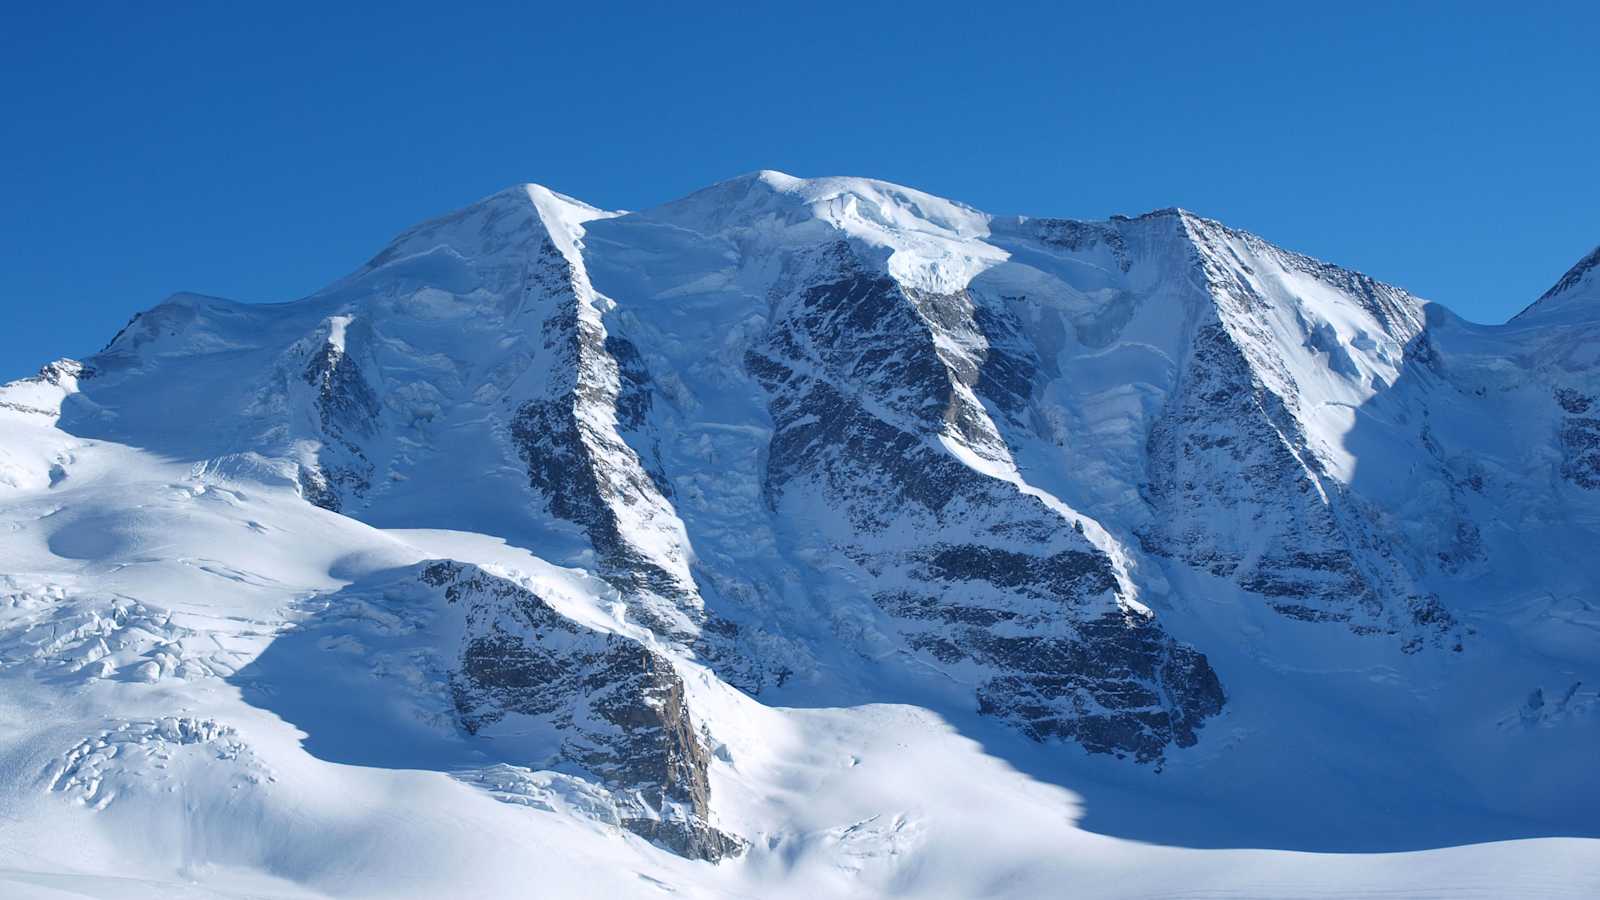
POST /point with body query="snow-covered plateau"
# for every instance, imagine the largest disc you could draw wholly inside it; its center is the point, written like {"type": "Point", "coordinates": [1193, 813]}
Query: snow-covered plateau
{"type": "Point", "coordinates": [808, 538]}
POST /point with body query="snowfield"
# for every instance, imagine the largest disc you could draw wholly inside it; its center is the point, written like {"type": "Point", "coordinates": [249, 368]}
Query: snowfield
{"type": "Point", "coordinates": [808, 538]}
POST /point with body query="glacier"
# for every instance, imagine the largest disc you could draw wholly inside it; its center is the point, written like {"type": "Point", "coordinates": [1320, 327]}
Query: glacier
{"type": "Point", "coordinates": [808, 535]}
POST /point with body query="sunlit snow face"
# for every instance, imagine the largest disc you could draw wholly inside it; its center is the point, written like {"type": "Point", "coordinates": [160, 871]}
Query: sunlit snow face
{"type": "Point", "coordinates": [929, 243]}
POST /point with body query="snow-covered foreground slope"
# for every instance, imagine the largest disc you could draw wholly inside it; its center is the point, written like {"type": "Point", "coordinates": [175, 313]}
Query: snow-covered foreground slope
{"type": "Point", "coordinates": [807, 537]}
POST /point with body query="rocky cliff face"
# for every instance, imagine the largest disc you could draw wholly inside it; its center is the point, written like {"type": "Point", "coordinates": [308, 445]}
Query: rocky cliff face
{"type": "Point", "coordinates": [874, 401]}
{"type": "Point", "coordinates": [617, 707]}
{"type": "Point", "coordinates": [570, 440]}
{"type": "Point", "coordinates": [1247, 501]}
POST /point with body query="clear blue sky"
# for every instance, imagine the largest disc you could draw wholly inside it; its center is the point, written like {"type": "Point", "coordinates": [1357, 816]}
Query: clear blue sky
{"type": "Point", "coordinates": [259, 153]}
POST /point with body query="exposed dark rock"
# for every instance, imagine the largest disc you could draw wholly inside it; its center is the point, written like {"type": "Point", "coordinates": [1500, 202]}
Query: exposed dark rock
{"type": "Point", "coordinates": [1081, 236]}
{"type": "Point", "coordinates": [1231, 479]}
{"type": "Point", "coordinates": [1574, 402]}
{"type": "Point", "coordinates": [1122, 686]}
{"type": "Point", "coordinates": [348, 411]}
{"type": "Point", "coordinates": [59, 370]}
{"type": "Point", "coordinates": [1580, 446]}
{"type": "Point", "coordinates": [344, 399]}
{"type": "Point", "coordinates": [583, 467]}
{"type": "Point", "coordinates": [865, 378]}
{"type": "Point", "coordinates": [315, 488]}
{"type": "Point", "coordinates": [1065, 574]}
{"type": "Point", "coordinates": [618, 706]}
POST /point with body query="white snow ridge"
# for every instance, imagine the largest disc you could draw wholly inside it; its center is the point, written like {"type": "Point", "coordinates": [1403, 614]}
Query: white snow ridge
{"type": "Point", "coordinates": [808, 538]}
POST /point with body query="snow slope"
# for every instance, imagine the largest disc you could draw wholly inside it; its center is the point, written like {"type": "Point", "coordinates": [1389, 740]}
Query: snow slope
{"type": "Point", "coordinates": [807, 536]}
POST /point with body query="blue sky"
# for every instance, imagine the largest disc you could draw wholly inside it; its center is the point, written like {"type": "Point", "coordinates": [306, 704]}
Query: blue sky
{"type": "Point", "coordinates": [258, 154]}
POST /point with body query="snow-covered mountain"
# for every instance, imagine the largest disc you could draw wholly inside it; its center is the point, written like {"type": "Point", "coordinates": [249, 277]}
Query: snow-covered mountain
{"type": "Point", "coordinates": [807, 535]}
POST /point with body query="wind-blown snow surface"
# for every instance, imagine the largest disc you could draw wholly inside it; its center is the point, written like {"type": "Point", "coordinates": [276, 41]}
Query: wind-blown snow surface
{"type": "Point", "coordinates": [808, 537]}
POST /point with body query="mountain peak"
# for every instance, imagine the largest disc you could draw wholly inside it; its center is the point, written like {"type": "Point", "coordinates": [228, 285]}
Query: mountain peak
{"type": "Point", "coordinates": [496, 224]}
{"type": "Point", "coordinates": [928, 241]}
{"type": "Point", "coordinates": [1569, 292]}
{"type": "Point", "coordinates": [1162, 213]}
{"type": "Point", "coordinates": [830, 198]}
